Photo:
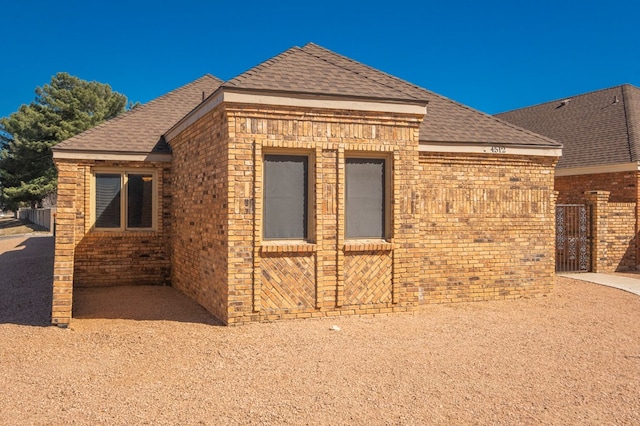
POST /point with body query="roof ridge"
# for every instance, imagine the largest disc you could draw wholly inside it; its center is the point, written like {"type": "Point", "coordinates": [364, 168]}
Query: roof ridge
{"type": "Point", "coordinates": [429, 92]}
{"type": "Point", "coordinates": [619, 86]}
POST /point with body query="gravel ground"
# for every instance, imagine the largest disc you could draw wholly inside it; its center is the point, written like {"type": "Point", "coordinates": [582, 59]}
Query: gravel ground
{"type": "Point", "coordinates": [149, 355]}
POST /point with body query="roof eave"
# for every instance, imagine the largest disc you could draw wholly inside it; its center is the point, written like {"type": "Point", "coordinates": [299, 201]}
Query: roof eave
{"type": "Point", "coordinates": [297, 99]}
{"type": "Point", "coordinates": [494, 149]}
{"type": "Point", "coordinates": [78, 154]}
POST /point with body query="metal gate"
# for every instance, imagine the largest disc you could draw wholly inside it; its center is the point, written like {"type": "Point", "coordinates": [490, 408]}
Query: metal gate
{"type": "Point", "coordinates": [573, 238]}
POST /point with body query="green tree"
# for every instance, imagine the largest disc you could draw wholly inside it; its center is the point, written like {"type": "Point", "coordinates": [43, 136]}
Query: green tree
{"type": "Point", "coordinates": [63, 108]}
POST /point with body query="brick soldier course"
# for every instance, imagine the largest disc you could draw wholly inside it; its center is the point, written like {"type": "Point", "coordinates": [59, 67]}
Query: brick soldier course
{"type": "Point", "coordinates": [468, 200]}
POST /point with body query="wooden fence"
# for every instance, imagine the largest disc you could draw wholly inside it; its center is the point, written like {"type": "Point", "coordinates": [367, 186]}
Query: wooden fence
{"type": "Point", "coordinates": [42, 217]}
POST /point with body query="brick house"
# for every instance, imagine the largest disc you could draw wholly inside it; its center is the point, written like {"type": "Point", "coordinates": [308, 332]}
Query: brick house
{"type": "Point", "coordinates": [311, 185]}
{"type": "Point", "coordinates": [599, 167]}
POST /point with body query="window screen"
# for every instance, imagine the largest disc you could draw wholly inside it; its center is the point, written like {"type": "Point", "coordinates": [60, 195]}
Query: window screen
{"type": "Point", "coordinates": [108, 200]}
{"type": "Point", "coordinates": [285, 197]}
{"type": "Point", "coordinates": [365, 198]}
{"type": "Point", "coordinates": [139, 202]}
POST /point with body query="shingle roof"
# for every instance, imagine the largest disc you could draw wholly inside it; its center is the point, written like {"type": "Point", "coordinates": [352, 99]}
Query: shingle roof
{"type": "Point", "coordinates": [310, 70]}
{"type": "Point", "coordinates": [597, 128]}
{"type": "Point", "coordinates": [140, 130]}
{"type": "Point", "coordinates": [299, 71]}
{"type": "Point", "coordinates": [446, 121]}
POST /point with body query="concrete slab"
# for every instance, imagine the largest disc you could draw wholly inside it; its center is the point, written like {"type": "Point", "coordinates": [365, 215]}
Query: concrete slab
{"type": "Point", "coordinates": [631, 285]}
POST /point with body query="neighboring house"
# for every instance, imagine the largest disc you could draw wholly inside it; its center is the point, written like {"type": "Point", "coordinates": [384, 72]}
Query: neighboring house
{"type": "Point", "coordinates": [600, 132]}
{"type": "Point", "coordinates": [311, 185]}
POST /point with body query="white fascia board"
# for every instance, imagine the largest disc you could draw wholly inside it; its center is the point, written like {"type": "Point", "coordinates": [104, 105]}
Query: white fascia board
{"type": "Point", "coordinates": [496, 150]}
{"type": "Point", "coordinates": [110, 156]}
{"type": "Point", "coordinates": [291, 101]}
{"type": "Point", "coordinates": [592, 170]}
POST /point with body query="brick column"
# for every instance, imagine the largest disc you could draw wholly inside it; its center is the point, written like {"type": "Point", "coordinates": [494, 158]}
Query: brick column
{"type": "Point", "coordinates": [599, 200]}
{"type": "Point", "coordinates": [637, 230]}
{"type": "Point", "coordinates": [65, 245]}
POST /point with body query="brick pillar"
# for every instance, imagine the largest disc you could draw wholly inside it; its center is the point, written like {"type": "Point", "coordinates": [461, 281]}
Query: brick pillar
{"type": "Point", "coordinates": [599, 200]}
{"type": "Point", "coordinates": [637, 230]}
{"type": "Point", "coordinates": [65, 245]}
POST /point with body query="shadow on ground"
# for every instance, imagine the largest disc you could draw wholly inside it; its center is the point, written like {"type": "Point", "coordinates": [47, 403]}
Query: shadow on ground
{"type": "Point", "coordinates": [26, 273]}
{"type": "Point", "coordinates": [26, 279]}
{"type": "Point", "coordinates": [11, 226]}
{"type": "Point", "coordinates": [140, 303]}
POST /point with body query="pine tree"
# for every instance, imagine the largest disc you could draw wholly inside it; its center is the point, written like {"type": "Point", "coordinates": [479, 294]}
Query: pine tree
{"type": "Point", "coordinates": [63, 108]}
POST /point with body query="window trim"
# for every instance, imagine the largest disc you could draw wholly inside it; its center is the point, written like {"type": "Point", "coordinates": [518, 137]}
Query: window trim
{"type": "Point", "coordinates": [124, 173]}
{"type": "Point", "coordinates": [388, 191]}
{"type": "Point", "coordinates": [310, 192]}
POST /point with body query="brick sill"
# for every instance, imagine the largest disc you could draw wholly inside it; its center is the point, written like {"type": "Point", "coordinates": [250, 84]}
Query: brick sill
{"type": "Point", "coordinates": [368, 245]}
{"type": "Point", "coordinates": [287, 247]}
{"type": "Point", "coordinates": [120, 233]}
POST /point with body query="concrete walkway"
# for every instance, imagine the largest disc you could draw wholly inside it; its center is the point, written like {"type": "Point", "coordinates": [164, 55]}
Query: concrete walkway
{"type": "Point", "coordinates": [631, 285]}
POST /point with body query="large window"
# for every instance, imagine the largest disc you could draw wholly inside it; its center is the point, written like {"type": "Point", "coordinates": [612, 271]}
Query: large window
{"type": "Point", "coordinates": [365, 198]}
{"type": "Point", "coordinates": [124, 200]}
{"type": "Point", "coordinates": [286, 195]}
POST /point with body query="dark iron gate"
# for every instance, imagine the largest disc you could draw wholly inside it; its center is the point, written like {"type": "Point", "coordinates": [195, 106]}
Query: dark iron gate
{"type": "Point", "coordinates": [573, 238]}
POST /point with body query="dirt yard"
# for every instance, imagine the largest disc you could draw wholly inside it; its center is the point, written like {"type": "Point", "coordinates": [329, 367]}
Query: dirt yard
{"type": "Point", "coordinates": [11, 226]}
{"type": "Point", "coordinates": [149, 355]}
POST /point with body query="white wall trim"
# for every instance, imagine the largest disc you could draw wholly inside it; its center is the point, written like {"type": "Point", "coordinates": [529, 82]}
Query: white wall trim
{"type": "Point", "coordinates": [291, 101]}
{"type": "Point", "coordinates": [495, 150]}
{"type": "Point", "coordinates": [110, 156]}
{"type": "Point", "coordinates": [592, 170]}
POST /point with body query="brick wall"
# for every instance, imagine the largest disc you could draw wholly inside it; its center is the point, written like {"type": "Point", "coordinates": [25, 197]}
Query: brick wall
{"type": "Point", "coordinates": [622, 186]}
{"type": "Point", "coordinates": [621, 240]}
{"type": "Point", "coordinates": [200, 209]}
{"type": "Point", "coordinates": [618, 246]}
{"type": "Point", "coordinates": [87, 258]}
{"type": "Point", "coordinates": [487, 228]}
{"type": "Point", "coordinates": [108, 258]}
{"type": "Point", "coordinates": [464, 227]}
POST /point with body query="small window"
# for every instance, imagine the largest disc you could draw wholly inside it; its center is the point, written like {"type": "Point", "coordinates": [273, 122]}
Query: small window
{"type": "Point", "coordinates": [124, 200]}
{"type": "Point", "coordinates": [286, 197]}
{"type": "Point", "coordinates": [365, 198]}
{"type": "Point", "coordinates": [108, 201]}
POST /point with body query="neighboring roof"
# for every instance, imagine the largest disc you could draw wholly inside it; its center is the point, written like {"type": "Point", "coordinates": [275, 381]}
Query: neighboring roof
{"type": "Point", "coordinates": [596, 128]}
{"type": "Point", "coordinates": [446, 121]}
{"type": "Point", "coordinates": [140, 130]}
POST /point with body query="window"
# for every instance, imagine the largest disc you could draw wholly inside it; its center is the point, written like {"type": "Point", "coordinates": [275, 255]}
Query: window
{"type": "Point", "coordinates": [365, 198]}
{"type": "Point", "coordinates": [286, 195]}
{"type": "Point", "coordinates": [124, 200]}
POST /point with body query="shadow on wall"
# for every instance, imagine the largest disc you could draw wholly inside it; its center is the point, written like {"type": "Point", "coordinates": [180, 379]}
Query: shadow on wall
{"type": "Point", "coordinates": [26, 277]}
{"type": "Point", "coordinates": [628, 262]}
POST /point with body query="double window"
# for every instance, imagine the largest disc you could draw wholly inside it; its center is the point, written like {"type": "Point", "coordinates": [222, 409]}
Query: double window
{"type": "Point", "coordinates": [286, 197]}
{"type": "Point", "coordinates": [124, 200]}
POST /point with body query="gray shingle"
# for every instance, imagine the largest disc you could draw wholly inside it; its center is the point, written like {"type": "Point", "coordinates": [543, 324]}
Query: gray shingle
{"type": "Point", "coordinates": [446, 121]}
{"type": "Point", "coordinates": [596, 128]}
{"type": "Point", "coordinates": [140, 130]}
{"type": "Point", "coordinates": [299, 71]}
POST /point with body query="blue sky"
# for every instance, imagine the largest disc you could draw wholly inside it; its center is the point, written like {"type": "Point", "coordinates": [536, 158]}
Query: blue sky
{"type": "Point", "coordinates": [491, 55]}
